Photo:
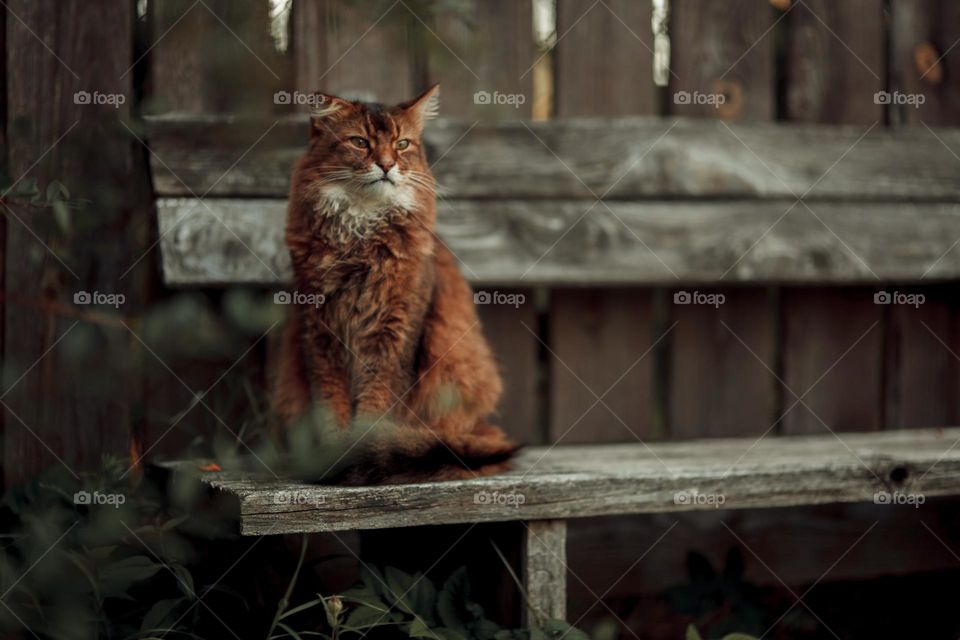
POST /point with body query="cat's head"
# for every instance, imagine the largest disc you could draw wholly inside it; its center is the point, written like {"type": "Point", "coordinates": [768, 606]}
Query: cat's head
{"type": "Point", "coordinates": [371, 154]}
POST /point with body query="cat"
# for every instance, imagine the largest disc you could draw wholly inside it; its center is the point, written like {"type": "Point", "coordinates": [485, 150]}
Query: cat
{"type": "Point", "coordinates": [392, 345]}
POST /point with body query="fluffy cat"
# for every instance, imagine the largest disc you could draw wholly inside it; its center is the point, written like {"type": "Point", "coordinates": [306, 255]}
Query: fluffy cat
{"type": "Point", "coordinates": [395, 350]}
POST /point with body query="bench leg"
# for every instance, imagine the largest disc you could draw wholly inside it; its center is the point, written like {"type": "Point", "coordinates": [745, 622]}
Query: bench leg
{"type": "Point", "coordinates": [545, 567]}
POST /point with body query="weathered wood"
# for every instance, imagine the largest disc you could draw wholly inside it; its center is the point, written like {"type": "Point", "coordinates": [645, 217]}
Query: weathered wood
{"type": "Point", "coordinates": [603, 58]}
{"type": "Point", "coordinates": [924, 60]}
{"type": "Point", "coordinates": [490, 48]}
{"type": "Point", "coordinates": [833, 359]}
{"type": "Point", "coordinates": [797, 544]}
{"type": "Point", "coordinates": [550, 483]}
{"type": "Point", "coordinates": [75, 398]}
{"type": "Point", "coordinates": [722, 49]}
{"type": "Point", "coordinates": [511, 331]}
{"type": "Point", "coordinates": [526, 243]}
{"type": "Point", "coordinates": [723, 67]}
{"type": "Point", "coordinates": [632, 157]}
{"type": "Point", "coordinates": [369, 53]}
{"type": "Point", "coordinates": [601, 365]}
{"type": "Point", "coordinates": [545, 567]}
{"type": "Point", "coordinates": [722, 368]}
{"type": "Point", "coordinates": [921, 371]}
{"type": "Point", "coordinates": [836, 61]}
{"type": "Point", "coordinates": [215, 56]}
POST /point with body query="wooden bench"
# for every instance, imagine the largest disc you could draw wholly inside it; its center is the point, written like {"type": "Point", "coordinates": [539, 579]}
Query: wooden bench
{"type": "Point", "coordinates": [553, 484]}
{"type": "Point", "coordinates": [634, 201]}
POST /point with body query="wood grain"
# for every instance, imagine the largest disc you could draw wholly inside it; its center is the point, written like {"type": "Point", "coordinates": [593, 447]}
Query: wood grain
{"type": "Point", "coordinates": [722, 49]}
{"type": "Point", "coordinates": [68, 394]}
{"type": "Point", "coordinates": [722, 368]}
{"type": "Point", "coordinates": [576, 482]}
{"type": "Point", "coordinates": [833, 359]}
{"type": "Point", "coordinates": [545, 567]}
{"type": "Point", "coordinates": [836, 61]}
{"type": "Point", "coordinates": [511, 332]}
{"type": "Point", "coordinates": [616, 32]}
{"type": "Point", "coordinates": [487, 46]}
{"type": "Point", "coordinates": [916, 24]}
{"type": "Point", "coordinates": [527, 243]}
{"type": "Point", "coordinates": [621, 158]}
{"type": "Point", "coordinates": [213, 56]}
{"type": "Point", "coordinates": [922, 368]}
{"type": "Point", "coordinates": [601, 365]}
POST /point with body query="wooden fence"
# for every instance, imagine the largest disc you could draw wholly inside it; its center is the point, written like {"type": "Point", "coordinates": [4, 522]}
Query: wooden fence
{"type": "Point", "coordinates": [726, 372]}
{"type": "Point", "coordinates": [662, 370]}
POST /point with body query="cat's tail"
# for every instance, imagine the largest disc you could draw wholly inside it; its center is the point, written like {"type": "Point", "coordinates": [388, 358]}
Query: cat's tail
{"type": "Point", "coordinates": [404, 454]}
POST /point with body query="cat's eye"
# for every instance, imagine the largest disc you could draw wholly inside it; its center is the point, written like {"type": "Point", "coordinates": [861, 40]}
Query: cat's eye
{"type": "Point", "coordinates": [357, 141]}
{"type": "Point", "coordinates": [402, 144]}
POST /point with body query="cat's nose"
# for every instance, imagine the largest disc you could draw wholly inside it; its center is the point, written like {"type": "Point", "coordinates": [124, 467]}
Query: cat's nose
{"type": "Point", "coordinates": [386, 164]}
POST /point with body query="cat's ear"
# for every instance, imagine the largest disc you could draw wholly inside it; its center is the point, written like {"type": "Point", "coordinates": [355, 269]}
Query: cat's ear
{"type": "Point", "coordinates": [326, 108]}
{"type": "Point", "coordinates": [423, 107]}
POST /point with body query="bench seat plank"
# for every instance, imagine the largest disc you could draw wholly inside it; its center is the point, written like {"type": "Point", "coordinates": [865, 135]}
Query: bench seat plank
{"type": "Point", "coordinates": [596, 480]}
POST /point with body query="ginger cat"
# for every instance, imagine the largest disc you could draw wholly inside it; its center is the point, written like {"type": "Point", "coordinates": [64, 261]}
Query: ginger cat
{"type": "Point", "coordinates": [396, 340]}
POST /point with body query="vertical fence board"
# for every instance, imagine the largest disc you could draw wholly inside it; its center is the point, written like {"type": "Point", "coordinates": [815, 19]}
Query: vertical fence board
{"type": "Point", "coordinates": [821, 327]}
{"type": "Point", "coordinates": [368, 48]}
{"type": "Point", "coordinates": [511, 332]}
{"type": "Point", "coordinates": [722, 48]}
{"type": "Point", "coordinates": [925, 61]}
{"type": "Point", "coordinates": [604, 58]}
{"type": "Point", "coordinates": [719, 386]}
{"type": "Point", "coordinates": [76, 392]}
{"type": "Point", "coordinates": [726, 49]}
{"type": "Point", "coordinates": [922, 375]}
{"type": "Point", "coordinates": [836, 61]}
{"type": "Point", "coordinates": [216, 56]}
{"type": "Point", "coordinates": [308, 47]}
{"type": "Point", "coordinates": [598, 338]}
{"type": "Point", "coordinates": [483, 46]}
{"type": "Point", "coordinates": [835, 64]}
{"type": "Point", "coordinates": [921, 371]}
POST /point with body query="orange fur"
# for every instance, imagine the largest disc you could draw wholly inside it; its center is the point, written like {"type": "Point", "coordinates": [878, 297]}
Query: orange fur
{"type": "Point", "coordinates": [397, 337]}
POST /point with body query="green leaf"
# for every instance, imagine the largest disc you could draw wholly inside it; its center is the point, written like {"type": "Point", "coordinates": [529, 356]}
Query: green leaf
{"type": "Point", "coordinates": [56, 191]}
{"type": "Point", "coordinates": [184, 580]}
{"type": "Point", "coordinates": [363, 617]}
{"type": "Point", "coordinates": [117, 577]}
{"type": "Point", "coordinates": [451, 600]}
{"type": "Point", "coordinates": [160, 613]}
{"type": "Point", "coordinates": [692, 633]}
{"type": "Point", "coordinates": [303, 607]}
{"type": "Point", "coordinates": [375, 582]}
{"type": "Point", "coordinates": [61, 214]}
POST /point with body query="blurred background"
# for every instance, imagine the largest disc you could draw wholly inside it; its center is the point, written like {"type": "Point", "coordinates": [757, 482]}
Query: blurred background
{"type": "Point", "coordinates": [677, 216]}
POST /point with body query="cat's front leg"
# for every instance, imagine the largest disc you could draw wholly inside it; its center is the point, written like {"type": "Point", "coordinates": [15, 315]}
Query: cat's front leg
{"type": "Point", "coordinates": [382, 373]}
